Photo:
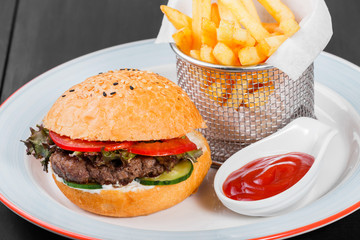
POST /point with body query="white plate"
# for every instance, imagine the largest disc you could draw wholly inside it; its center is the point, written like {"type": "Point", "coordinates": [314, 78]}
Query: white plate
{"type": "Point", "coordinates": [32, 194]}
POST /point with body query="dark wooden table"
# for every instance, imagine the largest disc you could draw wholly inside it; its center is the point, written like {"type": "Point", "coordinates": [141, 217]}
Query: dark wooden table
{"type": "Point", "coordinates": [37, 35]}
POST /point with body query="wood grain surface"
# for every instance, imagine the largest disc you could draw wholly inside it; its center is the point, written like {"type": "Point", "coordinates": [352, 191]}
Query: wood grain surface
{"type": "Point", "coordinates": [345, 42]}
{"type": "Point", "coordinates": [50, 32]}
{"type": "Point", "coordinates": [37, 35]}
{"type": "Point", "coordinates": [7, 19]}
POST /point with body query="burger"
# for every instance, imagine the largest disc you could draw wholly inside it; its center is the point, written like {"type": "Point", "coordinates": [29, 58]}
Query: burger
{"type": "Point", "coordinates": [123, 143]}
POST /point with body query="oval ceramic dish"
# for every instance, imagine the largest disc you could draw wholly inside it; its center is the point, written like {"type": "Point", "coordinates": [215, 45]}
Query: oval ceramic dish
{"type": "Point", "coordinates": [305, 135]}
{"type": "Point", "coordinates": [31, 193]}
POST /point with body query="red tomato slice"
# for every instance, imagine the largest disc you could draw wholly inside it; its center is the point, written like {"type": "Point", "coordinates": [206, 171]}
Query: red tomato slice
{"type": "Point", "coordinates": [69, 144]}
{"type": "Point", "coordinates": [163, 147]}
{"type": "Point", "coordinates": [118, 145]}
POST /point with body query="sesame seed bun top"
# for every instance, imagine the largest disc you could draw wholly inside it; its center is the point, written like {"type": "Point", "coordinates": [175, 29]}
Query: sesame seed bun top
{"type": "Point", "coordinates": [124, 105]}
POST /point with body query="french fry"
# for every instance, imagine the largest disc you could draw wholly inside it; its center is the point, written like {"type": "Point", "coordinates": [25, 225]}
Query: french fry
{"type": "Point", "coordinates": [206, 79]}
{"type": "Point", "coordinates": [250, 7]}
{"type": "Point", "coordinates": [262, 77]}
{"type": "Point", "coordinates": [258, 79]}
{"type": "Point", "coordinates": [272, 27]}
{"type": "Point", "coordinates": [215, 15]}
{"type": "Point", "coordinates": [243, 38]}
{"type": "Point", "coordinates": [259, 97]}
{"type": "Point", "coordinates": [289, 27]}
{"type": "Point", "coordinates": [218, 91]}
{"type": "Point", "coordinates": [269, 45]}
{"type": "Point", "coordinates": [212, 77]}
{"type": "Point", "coordinates": [239, 90]}
{"type": "Point", "coordinates": [264, 84]}
{"type": "Point", "coordinates": [208, 32]}
{"type": "Point", "coordinates": [268, 88]}
{"type": "Point", "coordinates": [225, 32]}
{"type": "Point", "coordinates": [206, 54]}
{"type": "Point", "coordinates": [236, 52]}
{"type": "Point", "coordinates": [276, 33]}
{"type": "Point", "coordinates": [252, 85]}
{"type": "Point", "coordinates": [177, 18]}
{"type": "Point", "coordinates": [263, 47]}
{"type": "Point", "coordinates": [195, 54]}
{"type": "Point", "coordinates": [255, 99]}
{"type": "Point", "coordinates": [277, 9]}
{"type": "Point", "coordinates": [183, 39]}
{"type": "Point", "coordinates": [229, 32]}
{"type": "Point", "coordinates": [200, 9]}
{"type": "Point", "coordinates": [224, 55]}
{"type": "Point", "coordinates": [244, 18]}
{"type": "Point", "coordinates": [253, 82]}
{"type": "Point", "coordinates": [225, 13]}
{"type": "Point", "coordinates": [251, 56]}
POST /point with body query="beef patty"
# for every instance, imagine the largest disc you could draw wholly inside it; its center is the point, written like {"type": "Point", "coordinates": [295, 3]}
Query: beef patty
{"type": "Point", "coordinates": [83, 170]}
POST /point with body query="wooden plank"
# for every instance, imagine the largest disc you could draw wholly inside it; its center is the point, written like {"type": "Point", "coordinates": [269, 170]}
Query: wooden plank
{"type": "Point", "coordinates": [13, 227]}
{"type": "Point", "coordinates": [345, 18]}
{"type": "Point", "coordinates": [48, 33]}
{"type": "Point", "coordinates": [7, 11]}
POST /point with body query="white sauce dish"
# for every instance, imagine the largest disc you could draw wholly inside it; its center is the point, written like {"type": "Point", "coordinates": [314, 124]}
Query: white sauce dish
{"type": "Point", "coordinates": [304, 135]}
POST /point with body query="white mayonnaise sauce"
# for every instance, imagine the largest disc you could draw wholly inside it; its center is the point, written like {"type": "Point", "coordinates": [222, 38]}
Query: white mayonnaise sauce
{"type": "Point", "coordinates": [133, 186]}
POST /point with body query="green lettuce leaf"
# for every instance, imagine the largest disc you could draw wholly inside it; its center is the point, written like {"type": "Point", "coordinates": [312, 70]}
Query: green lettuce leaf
{"type": "Point", "coordinates": [40, 145]}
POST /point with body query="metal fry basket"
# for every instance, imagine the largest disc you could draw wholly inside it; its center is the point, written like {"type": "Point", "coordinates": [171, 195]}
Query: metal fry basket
{"type": "Point", "coordinates": [242, 105]}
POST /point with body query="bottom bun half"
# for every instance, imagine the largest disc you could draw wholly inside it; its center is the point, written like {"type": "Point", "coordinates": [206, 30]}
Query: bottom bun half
{"type": "Point", "coordinates": [142, 201]}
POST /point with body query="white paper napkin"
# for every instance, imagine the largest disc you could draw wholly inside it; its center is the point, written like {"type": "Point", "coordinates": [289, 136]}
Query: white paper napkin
{"type": "Point", "coordinates": [297, 52]}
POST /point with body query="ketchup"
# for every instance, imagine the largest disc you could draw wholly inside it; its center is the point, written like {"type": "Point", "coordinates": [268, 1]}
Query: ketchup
{"type": "Point", "coordinates": [267, 176]}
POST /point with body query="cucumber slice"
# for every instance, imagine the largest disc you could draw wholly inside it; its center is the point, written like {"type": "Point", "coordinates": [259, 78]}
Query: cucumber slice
{"type": "Point", "coordinates": [179, 173]}
{"type": "Point", "coordinates": [83, 186]}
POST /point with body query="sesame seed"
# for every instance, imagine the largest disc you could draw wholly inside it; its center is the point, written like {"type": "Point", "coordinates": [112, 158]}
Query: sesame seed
{"type": "Point", "coordinates": [72, 90]}
{"type": "Point", "coordinates": [63, 95]}
{"type": "Point", "coordinates": [112, 93]}
{"type": "Point", "coordinates": [104, 94]}
{"type": "Point", "coordinates": [115, 83]}
{"type": "Point", "coordinates": [100, 73]}
{"type": "Point", "coordinates": [131, 88]}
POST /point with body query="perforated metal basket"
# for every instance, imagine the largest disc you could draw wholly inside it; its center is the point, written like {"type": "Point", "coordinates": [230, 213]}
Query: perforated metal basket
{"type": "Point", "coordinates": [242, 105]}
